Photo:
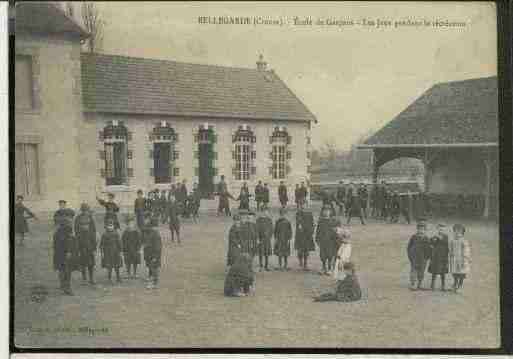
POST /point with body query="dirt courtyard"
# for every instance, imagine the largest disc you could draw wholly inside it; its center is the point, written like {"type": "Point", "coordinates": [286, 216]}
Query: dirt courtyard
{"type": "Point", "coordinates": [189, 309]}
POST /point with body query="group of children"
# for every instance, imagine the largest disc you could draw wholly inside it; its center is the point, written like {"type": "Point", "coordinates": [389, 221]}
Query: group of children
{"type": "Point", "coordinates": [248, 238]}
{"type": "Point", "coordinates": [75, 246]}
{"type": "Point", "coordinates": [444, 256]}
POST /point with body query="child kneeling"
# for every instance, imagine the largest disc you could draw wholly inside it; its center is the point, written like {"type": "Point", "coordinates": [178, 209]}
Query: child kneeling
{"type": "Point", "coordinates": [347, 290]}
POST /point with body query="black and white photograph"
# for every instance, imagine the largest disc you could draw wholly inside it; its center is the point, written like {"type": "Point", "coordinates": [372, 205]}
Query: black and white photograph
{"type": "Point", "coordinates": [255, 175]}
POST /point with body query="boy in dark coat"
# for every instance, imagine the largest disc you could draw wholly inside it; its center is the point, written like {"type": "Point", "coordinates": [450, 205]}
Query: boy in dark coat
{"type": "Point", "coordinates": [282, 237]}
{"type": "Point", "coordinates": [131, 241]}
{"type": "Point", "coordinates": [174, 219]}
{"type": "Point", "coordinates": [439, 264]}
{"type": "Point", "coordinates": [303, 195]}
{"type": "Point", "coordinates": [110, 249]}
{"type": "Point", "coordinates": [63, 211]}
{"type": "Point", "coordinates": [325, 237]}
{"type": "Point", "coordinates": [249, 234]}
{"type": "Point", "coordinates": [20, 221]}
{"type": "Point", "coordinates": [181, 198]}
{"type": "Point", "coordinates": [111, 210]}
{"type": "Point", "coordinates": [258, 195]}
{"type": "Point", "coordinates": [65, 252]}
{"type": "Point", "coordinates": [140, 205]}
{"type": "Point", "coordinates": [348, 289]}
{"type": "Point", "coordinates": [355, 209]}
{"type": "Point", "coordinates": [240, 277]}
{"type": "Point", "coordinates": [244, 197]}
{"type": "Point", "coordinates": [419, 251]}
{"type": "Point", "coordinates": [282, 195]}
{"type": "Point", "coordinates": [152, 252]}
{"type": "Point", "coordinates": [266, 197]}
{"type": "Point", "coordinates": [224, 198]}
{"type": "Point", "coordinates": [303, 243]}
{"type": "Point", "coordinates": [264, 225]}
{"type": "Point", "coordinates": [234, 241]}
{"type": "Point", "coordinates": [85, 231]}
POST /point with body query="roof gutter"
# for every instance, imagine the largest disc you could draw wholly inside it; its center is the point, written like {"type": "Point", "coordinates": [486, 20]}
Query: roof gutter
{"type": "Point", "coordinates": [431, 145]}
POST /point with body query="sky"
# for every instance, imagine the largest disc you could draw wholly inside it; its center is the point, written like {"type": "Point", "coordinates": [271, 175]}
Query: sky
{"type": "Point", "coordinates": [354, 79]}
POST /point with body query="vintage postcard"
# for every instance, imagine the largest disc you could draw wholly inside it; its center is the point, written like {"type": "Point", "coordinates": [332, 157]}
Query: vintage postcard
{"type": "Point", "coordinates": [255, 175]}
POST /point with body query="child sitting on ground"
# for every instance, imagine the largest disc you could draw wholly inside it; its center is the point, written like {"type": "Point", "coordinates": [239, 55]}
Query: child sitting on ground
{"type": "Point", "coordinates": [347, 289]}
{"type": "Point", "coordinates": [240, 279]}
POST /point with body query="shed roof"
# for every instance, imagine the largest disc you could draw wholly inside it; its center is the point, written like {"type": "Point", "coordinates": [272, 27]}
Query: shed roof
{"type": "Point", "coordinates": [452, 113]}
{"type": "Point", "coordinates": [45, 18]}
{"type": "Point", "coordinates": [131, 85]}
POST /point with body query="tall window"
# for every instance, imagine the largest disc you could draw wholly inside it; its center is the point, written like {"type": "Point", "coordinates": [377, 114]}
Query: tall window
{"type": "Point", "coordinates": [27, 169]}
{"type": "Point", "coordinates": [163, 152]}
{"type": "Point", "coordinates": [115, 138]}
{"type": "Point", "coordinates": [243, 154]}
{"type": "Point", "coordinates": [279, 163]}
{"type": "Point", "coordinates": [24, 82]}
{"type": "Point", "coordinates": [280, 153]}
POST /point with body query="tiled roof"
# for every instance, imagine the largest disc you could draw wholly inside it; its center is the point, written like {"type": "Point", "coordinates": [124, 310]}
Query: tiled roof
{"type": "Point", "coordinates": [448, 113]}
{"type": "Point", "coordinates": [45, 18]}
{"type": "Point", "coordinates": [129, 85]}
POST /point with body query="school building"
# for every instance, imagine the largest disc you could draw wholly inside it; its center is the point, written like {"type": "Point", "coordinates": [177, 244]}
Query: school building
{"type": "Point", "coordinates": [88, 124]}
{"type": "Point", "coordinates": [453, 129]}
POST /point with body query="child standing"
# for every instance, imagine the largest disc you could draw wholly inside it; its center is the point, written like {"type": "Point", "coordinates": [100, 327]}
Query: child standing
{"type": "Point", "coordinates": [111, 247]}
{"type": "Point", "coordinates": [344, 250]}
{"type": "Point", "coordinates": [152, 251]}
{"type": "Point", "coordinates": [65, 251]}
{"type": "Point", "coordinates": [20, 221]}
{"type": "Point", "coordinates": [303, 243]}
{"type": "Point", "coordinates": [174, 219]}
{"type": "Point", "coordinates": [439, 256]}
{"type": "Point", "coordinates": [325, 237]}
{"type": "Point", "coordinates": [282, 237]}
{"type": "Point", "coordinates": [264, 225]}
{"type": "Point", "coordinates": [131, 240]}
{"type": "Point", "coordinates": [85, 231]}
{"type": "Point", "coordinates": [459, 256]}
{"type": "Point", "coordinates": [419, 251]}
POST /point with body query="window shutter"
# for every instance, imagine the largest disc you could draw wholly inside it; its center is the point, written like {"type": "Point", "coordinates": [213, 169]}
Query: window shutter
{"type": "Point", "coordinates": [253, 155]}
{"type": "Point", "coordinates": [152, 172]}
{"type": "Point", "coordinates": [196, 171]}
{"type": "Point", "coordinates": [289, 154]}
{"type": "Point", "coordinates": [151, 153]}
{"type": "Point", "coordinates": [176, 172]}
{"type": "Point", "coordinates": [196, 154]}
{"type": "Point", "coordinates": [102, 154]}
{"type": "Point", "coordinates": [129, 154]}
{"type": "Point", "coordinates": [289, 140]}
{"type": "Point", "coordinates": [100, 135]}
{"type": "Point", "coordinates": [196, 137]}
{"type": "Point", "coordinates": [130, 172]}
{"type": "Point", "coordinates": [253, 170]}
{"type": "Point", "coordinates": [129, 136]}
{"type": "Point", "coordinates": [102, 173]}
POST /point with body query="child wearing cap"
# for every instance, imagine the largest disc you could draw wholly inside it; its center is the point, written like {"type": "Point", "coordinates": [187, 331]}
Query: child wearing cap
{"type": "Point", "coordinates": [110, 249]}
{"type": "Point", "coordinates": [439, 256]}
{"type": "Point", "coordinates": [282, 237]}
{"type": "Point", "coordinates": [419, 251]}
{"type": "Point", "coordinates": [152, 251]}
{"type": "Point", "coordinates": [459, 256]}
{"type": "Point", "coordinates": [131, 241]}
{"type": "Point", "coordinates": [347, 289]}
{"type": "Point", "coordinates": [20, 221]}
{"type": "Point", "coordinates": [65, 251]}
{"type": "Point", "coordinates": [85, 231]}
{"type": "Point", "coordinates": [344, 250]}
{"type": "Point", "coordinates": [264, 225]}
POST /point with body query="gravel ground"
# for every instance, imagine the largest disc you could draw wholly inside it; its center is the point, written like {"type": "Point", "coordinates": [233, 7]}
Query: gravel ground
{"type": "Point", "coordinates": [189, 309]}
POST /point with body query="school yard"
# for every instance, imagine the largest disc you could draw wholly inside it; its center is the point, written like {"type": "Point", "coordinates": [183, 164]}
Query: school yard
{"type": "Point", "coordinates": [189, 309]}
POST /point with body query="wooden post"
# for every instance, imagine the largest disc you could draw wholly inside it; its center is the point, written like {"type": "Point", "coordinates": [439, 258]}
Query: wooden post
{"type": "Point", "coordinates": [488, 166]}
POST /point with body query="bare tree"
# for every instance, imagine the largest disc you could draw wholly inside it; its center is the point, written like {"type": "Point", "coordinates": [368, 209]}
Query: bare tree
{"type": "Point", "coordinates": [69, 9]}
{"type": "Point", "coordinates": [93, 24]}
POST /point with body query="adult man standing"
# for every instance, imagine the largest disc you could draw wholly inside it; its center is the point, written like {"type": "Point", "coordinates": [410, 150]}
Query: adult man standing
{"type": "Point", "coordinates": [140, 205]}
{"type": "Point", "coordinates": [303, 194]}
{"type": "Point", "coordinates": [224, 196]}
{"type": "Point", "coordinates": [282, 195]}
{"type": "Point", "coordinates": [63, 211]}
{"type": "Point", "coordinates": [85, 232]}
{"type": "Point", "coordinates": [244, 197]}
{"type": "Point", "coordinates": [181, 197]}
{"type": "Point", "coordinates": [65, 251]}
{"type": "Point", "coordinates": [111, 210]}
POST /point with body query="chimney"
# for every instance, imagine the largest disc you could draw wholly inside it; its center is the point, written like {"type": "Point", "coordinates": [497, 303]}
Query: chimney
{"type": "Point", "coordinates": [261, 64]}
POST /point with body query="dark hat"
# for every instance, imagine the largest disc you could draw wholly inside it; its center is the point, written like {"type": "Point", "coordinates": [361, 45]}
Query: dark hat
{"type": "Point", "coordinates": [139, 191]}
{"type": "Point", "coordinates": [84, 207]}
{"type": "Point", "coordinates": [348, 266]}
{"type": "Point", "coordinates": [458, 227]}
{"type": "Point", "coordinates": [62, 201]}
{"type": "Point", "coordinates": [236, 217]}
{"type": "Point", "coordinates": [111, 195]}
{"type": "Point", "coordinates": [19, 196]}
